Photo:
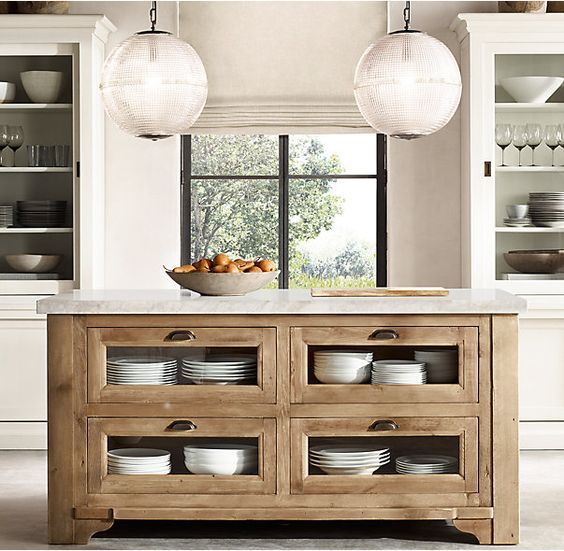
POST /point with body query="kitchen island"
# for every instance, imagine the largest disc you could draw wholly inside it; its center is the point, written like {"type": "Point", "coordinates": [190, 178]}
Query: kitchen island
{"type": "Point", "coordinates": [268, 395]}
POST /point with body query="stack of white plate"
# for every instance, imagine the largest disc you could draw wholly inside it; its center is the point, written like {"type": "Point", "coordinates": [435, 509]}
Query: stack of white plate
{"type": "Point", "coordinates": [426, 464]}
{"type": "Point", "coordinates": [221, 458]}
{"type": "Point", "coordinates": [346, 460]}
{"type": "Point", "coordinates": [398, 372]}
{"type": "Point", "coordinates": [6, 216]}
{"type": "Point", "coordinates": [442, 365]}
{"type": "Point", "coordinates": [141, 371]}
{"type": "Point", "coordinates": [138, 461]}
{"type": "Point", "coordinates": [220, 370]}
{"type": "Point", "coordinates": [342, 366]}
{"type": "Point", "coordinates": [547, 208]}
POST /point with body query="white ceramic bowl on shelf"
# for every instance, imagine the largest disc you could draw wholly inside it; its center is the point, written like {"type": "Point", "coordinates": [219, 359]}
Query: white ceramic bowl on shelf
{"type": "Point", "coordinates": [7, 92]}
{"type": "Point", "coordinates": [531, 89]}
{"type": "Point", "coordinates": [42, 86]}
{"type": "Point", "coordinates": [33, 263]}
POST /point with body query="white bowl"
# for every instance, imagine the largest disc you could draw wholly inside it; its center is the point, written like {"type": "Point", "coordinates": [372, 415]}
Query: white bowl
{"type": "Point", "coordinates": [531, 89]}
{"type": "Point", "coordinates": [221, 468]}
{"type": "Point", "coordinates": [35, 263]}
{"type": "Point", "coordinates": [7, 92]}
{"type": "Point", "coordinates": [42, 86]}
{"type": "Point", "coordinates": [345, 377]}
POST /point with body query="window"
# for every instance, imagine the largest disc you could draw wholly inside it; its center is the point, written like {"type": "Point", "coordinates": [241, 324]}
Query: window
{"type": "Point", "coordinates": [316, 205]}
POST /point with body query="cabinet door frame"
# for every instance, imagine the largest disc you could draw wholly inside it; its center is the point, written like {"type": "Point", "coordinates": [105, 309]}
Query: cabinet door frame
{"type": "Point", "coordinates": [99, 482]}
{"type": "Point", "coordinates": [101, 338]}
{"type": "Point", "coordinates": [465, 428]}
{"type": "Point", "coordinates": [465, 338]}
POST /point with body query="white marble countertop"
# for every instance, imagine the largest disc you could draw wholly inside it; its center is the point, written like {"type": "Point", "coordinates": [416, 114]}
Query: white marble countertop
{"type": "Point", "coordinates": [295, 301]}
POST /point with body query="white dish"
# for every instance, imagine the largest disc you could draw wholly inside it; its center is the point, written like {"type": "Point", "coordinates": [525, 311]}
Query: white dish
{"type": "Point", "coordinates": [138, 454]}
{"type": "Point", "coordinates": [33, 263]}
{"type": "Point", "coordinates": [363, 471]}
{"type": "Point", "coordinates": [42, 86]}
{"type": "Point", "coordinates": [345, 377]}
{"type": "Point", "coordinates": [531, 89]}
{"type": "Point", "coordinates": [7, 92]}
{"type": "Point", "coordinates": [142, 361]}
{"type": "Point", "coordinates": [347, 451]}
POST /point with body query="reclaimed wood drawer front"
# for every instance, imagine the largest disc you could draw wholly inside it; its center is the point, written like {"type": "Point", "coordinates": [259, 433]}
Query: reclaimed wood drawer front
{"type": "Point", "coordinates": [182, 344]}
{"type": "Point", "coordinates": [172, 435]}
{"type": "Point", "coordinates": [450, 436]}
{"type": "Point", "coordinates": [386, 343]}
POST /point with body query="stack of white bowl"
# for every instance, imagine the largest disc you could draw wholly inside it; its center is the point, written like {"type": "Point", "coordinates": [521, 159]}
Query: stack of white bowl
{"type": "Point", "coordinates": [426, 464]}
{"type": "Point", "coordinates": [343, 367]}
{"type": "Point", "coordinates": [221, 458]}
{"type": "Point", "coordinates": [398, 372]}
{"type": "Point", "coordinates": [229, 369]}
{"type": "Point", "coordinates": [141, 371]}
{"type": "Point", "coordinates": [138, 461]}
{"type": "Point", "coordinates": [441, 365]}
{"type": "Point", "coordinates": [348, 460]}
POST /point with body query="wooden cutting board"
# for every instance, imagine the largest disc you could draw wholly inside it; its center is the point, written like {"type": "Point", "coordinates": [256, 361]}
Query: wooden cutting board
{"type": "Point", "coordinates": [382, 292]}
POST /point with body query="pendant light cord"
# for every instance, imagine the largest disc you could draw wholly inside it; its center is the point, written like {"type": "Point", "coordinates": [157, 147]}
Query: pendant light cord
{"type": "Point", "coordinates": [153, 16]}
{"type": "Point", "coordinates": [406, 15]}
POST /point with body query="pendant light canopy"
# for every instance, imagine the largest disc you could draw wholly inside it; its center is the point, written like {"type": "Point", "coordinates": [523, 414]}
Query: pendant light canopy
{"type": "Point", "coordinates": [154, 85]}
{"type": "Point", "coordinates": [407, 84]}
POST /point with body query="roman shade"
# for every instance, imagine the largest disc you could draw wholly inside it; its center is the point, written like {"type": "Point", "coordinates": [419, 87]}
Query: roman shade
{"type": "Point", "coordinates": [281, 67]}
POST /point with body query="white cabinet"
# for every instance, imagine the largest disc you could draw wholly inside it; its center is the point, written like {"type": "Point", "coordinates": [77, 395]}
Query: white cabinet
{"type": "Point", "coordinates": [73, 45]}
{"type": "Point", "coordinates": [493, 47]}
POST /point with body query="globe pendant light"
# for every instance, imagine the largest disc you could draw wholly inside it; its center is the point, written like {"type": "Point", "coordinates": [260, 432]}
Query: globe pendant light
{"type": "Point", "coordinates": [407, 84]}
{"type": "Point", "coordinates": [154, 85]}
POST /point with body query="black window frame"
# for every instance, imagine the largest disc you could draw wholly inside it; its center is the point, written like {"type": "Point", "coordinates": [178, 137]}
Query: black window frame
{"type": "Point", "coordinates": [284, 177]}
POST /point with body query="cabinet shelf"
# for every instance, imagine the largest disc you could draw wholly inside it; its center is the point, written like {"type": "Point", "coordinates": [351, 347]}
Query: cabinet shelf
{"type": "Point", "coordinates": [43, 107]}
{"type": "Point", "coordinates": [35, 230]}
{"type": "Point", "coordinates": [521, 107]}
{"type": "Point", "coordinates": [529, 168]}
{"type": "Point", "coordinates": [15, 169]}
{"type": "Point", "coordinates": [504, 229]}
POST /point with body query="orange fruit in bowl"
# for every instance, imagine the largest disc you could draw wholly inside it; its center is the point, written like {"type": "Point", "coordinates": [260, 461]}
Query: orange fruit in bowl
{"type": "Point", "coordinates": [221, 259]}
{"type": "Point", "coordinates": [184, 269]}
{"type": "Point", "coordinates": [232, 268]}
{"type": "Point", "coordinates": [253, 269]}
{"type": "Point", "coordinates": [266, 265]}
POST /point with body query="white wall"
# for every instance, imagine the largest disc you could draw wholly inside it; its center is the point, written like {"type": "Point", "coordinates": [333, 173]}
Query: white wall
{"type": "Point", "coordinates": [142, 177]}
{"type": "Point", "coordinates": [424, 174]}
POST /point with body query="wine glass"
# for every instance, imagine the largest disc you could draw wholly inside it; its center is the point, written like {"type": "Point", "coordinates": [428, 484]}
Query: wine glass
{"type": "Point", "coordinates": [534, 139]}
{"type": "Point", "coordinates": [4, 140]}
{"type": "Point", "coordinates": [15, 139]}
{"type": "Point", "coordinates": [552, 137]}
{"type": "Point", "coordinates": [520, 138]}
{"type": "Point", "coordinates": [561, 139]}
{"type": "Point", "coordinates": [503, 137]}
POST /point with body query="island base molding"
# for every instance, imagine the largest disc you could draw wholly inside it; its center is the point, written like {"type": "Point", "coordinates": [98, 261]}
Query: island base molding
{"type": "Point", "coordinates": [285, 413]}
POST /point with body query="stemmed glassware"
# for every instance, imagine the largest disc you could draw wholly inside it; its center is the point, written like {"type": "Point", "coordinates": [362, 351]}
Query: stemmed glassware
{"type": "Point", "coordinates": [520, 139]}
{"type": "Point", "coordinates": [534, 139]}
{"type": "Point", "coordinates": [4, 140]}
{"type": "Point", "coordinates": [561, 138]}
{"type": "Point", "coordinates": [552, 138]}
{"type": "Point", "coordinates": [15, 139]}
{"type": "Point", "coordinates": [503, 138]}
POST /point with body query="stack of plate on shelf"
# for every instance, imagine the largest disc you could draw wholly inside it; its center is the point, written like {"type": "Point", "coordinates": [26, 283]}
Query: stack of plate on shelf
{"type": "Point", "coordinates": [426, 464]}
{"type": "Point", "coordinates": [138, 461]}
{"type": "Point", "coordinates": [348, 460]}
{"type": "Point", "coordinates": [141, 371]}
{"type": "Point", "coordinates": [41, 214]}
{"type": "Point", "coordinates": [398, 372]}
{"type": "Point", "coordinates": [221, 458]}
{"type": "Point", "coordinates": [6, 216]}
{"type": "Point", "coordinates": [547, 208]}
{"type": "Point", "coordinates": [229, 369]}
{"type": "Point", "coordinates": [342, 366]}
{"type": "Point", "coordinates": [441, 365]}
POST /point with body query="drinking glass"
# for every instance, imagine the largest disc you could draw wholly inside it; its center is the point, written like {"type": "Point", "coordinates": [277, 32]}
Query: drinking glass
{"type": "Point", "coordinates": [4, 140]}
{"type": "Point", "coordinates": [520, 137]}
{"type": "Point", "coordinates": [561, 139]}
{"type": "Point", "coordinates": [552, 137]}
{"type": "Point", "coordinates": [15, 140]}
{"type": "Point", "coordinates": [534, 139]}
{"type": "Point", "coordinates": [503, 137]}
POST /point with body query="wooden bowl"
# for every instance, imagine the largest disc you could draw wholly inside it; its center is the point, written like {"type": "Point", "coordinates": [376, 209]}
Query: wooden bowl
{"type": "Point", "coordinates": [223, 284]}
{"type": "Point", "coordinates": [543, 261]}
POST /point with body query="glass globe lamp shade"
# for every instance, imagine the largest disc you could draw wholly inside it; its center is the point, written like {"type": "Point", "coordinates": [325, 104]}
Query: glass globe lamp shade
{"type": "Point", "coordinates": [407, 85]}
{"type": "Point", "coordinates": [154, 85]}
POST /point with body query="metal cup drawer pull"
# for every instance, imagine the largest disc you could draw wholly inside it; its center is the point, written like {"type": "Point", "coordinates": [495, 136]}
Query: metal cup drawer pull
{"type": "Point", "coordinates": [383, 335]}
{"type": "Point", "coordinates": [182, 425]}
{"type": "Point", "coordinates": [383, 424]}
{"type": "Point", "coordinates": [180, 336]}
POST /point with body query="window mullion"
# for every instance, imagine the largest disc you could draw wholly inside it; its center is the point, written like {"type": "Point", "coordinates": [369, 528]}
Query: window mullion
{"type": "Point", "coordinates": [283, 213]}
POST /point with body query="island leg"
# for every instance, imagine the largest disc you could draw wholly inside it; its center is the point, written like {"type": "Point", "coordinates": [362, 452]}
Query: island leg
{"type": "Point", "coordinates": [481, 528]}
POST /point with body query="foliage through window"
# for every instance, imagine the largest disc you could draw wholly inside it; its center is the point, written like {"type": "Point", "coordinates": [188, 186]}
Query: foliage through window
{"type": "Point", "coordinates": [313, 204]}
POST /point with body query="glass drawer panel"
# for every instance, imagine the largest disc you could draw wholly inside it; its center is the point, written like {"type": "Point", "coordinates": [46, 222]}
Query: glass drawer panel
{"type": "Point", "coordinates": [403, 455]}
{"type": "Point", "coordinates": [207, 456]}
{"type": "Point", "coordinates": [163, 364]}
{"type": "Point", "coordinates": [402, 364]}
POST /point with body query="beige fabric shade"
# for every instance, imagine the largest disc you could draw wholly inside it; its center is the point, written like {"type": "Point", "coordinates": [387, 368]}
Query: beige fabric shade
{"type": "Point", "coordinates": [281, 67]}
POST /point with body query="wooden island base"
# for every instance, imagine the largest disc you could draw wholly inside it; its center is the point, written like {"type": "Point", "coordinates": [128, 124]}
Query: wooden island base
{"type": "Point", "coordinates": [285, 411]}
